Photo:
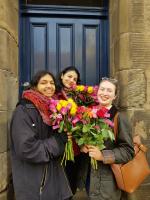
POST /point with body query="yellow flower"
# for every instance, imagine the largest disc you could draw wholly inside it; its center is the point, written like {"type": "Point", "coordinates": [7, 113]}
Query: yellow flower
{"type": "Point", "coordinates": [74, 105]}
{"type": "Point", "coordinates": [80, 88]}
{"type": "Point", "coordinates": [59, 106]}
{"type": "Point", "coordinates": [63, 103]}
{"type": "Point", "coordinates": [70, 100]}
{"type": "Point", "coordinates": [73, 110]}
{"type": "Point", "coordinates": [90, 89]}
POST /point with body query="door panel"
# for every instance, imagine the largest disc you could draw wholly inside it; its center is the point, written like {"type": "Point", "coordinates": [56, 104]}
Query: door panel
{"type": "Point", "coordinates": [38, 47]}
{"type": "Point", "coordinates": [65, 45]}
{"type": "Point", "coordinates": [53, 43]}
{"type": "Point", "coordinates": [91, 53]}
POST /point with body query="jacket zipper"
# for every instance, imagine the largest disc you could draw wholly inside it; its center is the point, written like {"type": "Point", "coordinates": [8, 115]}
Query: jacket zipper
{"type": "Point", "coordinates": [43, 181]}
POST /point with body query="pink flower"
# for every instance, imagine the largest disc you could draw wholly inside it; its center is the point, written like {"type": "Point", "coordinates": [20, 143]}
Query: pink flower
{"type": "Point", "coordinates": [64, 110]}
{"type": "Point", "coordinates": [75, 120]}
{"type": "Point", "coordinates": [107, 115]}
{"type": "Point", "coordinates": [85, 88]}
{"type": "Point", "coordinates": [109, 122]}
{"type": "Point", "coordinates": [52, 108]}
{"type": "Point", "coordinates": [94, 112]}
{"type": "Point", "coordinates": [73, 86]}
{"type": "Point", "coordinates": [69, 106]}
{"type": "Point", "coordinates": [52, 105]}
{"type": "Point", "coordinates": [55, 127]}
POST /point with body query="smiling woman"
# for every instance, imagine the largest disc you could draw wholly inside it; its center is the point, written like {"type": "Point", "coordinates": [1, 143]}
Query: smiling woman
{"type": "Point", "coordinates": [46, 86]}
{"type": "Point", "coordinates": [35, 148]}
{"type": "Point", "coordinates": [107, 92]}
{"type": "Point", "coordinates": [120, 151]}
{"type": "Point", "coordinates": [68, 77]}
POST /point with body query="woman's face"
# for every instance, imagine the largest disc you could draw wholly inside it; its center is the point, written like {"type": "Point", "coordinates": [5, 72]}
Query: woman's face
{"type": "Point", "coordinates": [106, 93]}
{"type": "Point", "coordinates": [46, 86]}
{"type": "Point", "coordinates": [69, 79]}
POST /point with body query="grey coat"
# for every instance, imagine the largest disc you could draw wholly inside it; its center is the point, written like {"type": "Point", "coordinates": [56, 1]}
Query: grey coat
{"type": "Point", "coordinates": [102, 182]}
{"type": "Point", "coordinates": [35, 156]}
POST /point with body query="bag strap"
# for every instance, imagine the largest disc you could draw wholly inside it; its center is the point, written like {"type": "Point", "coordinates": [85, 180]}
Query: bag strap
{"type": "Point", "coordinates": [143, 148]}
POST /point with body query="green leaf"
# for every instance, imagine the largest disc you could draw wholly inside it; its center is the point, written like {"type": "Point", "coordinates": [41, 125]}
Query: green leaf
{"type": "Point", "coordinates": [105, 133]}
{"type": "Point", "coordinates": [81, 141]}
{"type": "Point", "coordinates": [102, 146]}
{"type": "Point", "coordinates": [111, 135]}
{"type": "Point", "coordinates": [93, 133]}
{"type": "Point", "coordinates": [99, 138]}
{"type": "Point", "coordinates": [68, 125]}
{"type": "Point", "coordinates": [75, 128]}
{"type": "Point", "coordinates": [86, 128]}
{"type": "Point", "coordinates": [61, 126]}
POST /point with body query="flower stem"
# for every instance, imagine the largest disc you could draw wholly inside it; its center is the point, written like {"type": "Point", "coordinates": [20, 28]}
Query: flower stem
{"type": "Point", "coordinates": [68, 154]}
{"type": "Point", "coordinates": [94, 164]}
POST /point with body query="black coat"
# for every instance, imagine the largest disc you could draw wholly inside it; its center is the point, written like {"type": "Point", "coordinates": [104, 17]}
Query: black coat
{"type": "Point", "coordinates": [35, 155]}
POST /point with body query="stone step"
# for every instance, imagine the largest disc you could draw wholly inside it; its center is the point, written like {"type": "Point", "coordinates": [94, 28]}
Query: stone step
{"type": "Point", "coordinates": [80, 195]}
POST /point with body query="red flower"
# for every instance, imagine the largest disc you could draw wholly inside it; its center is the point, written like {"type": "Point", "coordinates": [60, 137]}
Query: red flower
{"type": "Point", "coordinates": [102, 112]}
{"type": "Point", "coordinates": [81, 109]}
{"type": "Point", "coordinates": [82, 97]}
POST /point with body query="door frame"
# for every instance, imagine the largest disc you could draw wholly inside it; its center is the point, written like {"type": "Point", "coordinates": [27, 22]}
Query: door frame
{"type": "Point", "coordinates": [63, 10]}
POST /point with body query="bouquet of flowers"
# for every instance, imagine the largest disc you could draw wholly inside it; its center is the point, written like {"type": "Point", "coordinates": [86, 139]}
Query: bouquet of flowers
{"type": "Point", "coordinates": [93, 128]}
{"type": "Point", "coordinates": [83, 95]}
{"type": "Point", "coordinates": [89, 126]}
{"type": "Point", "coordinates": [63, 112]}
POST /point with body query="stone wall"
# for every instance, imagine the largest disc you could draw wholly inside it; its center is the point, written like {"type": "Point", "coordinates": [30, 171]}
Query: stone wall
{"type": "Point", "coordinates": [8, 85]}
{"type": "Point", "coordinates": [130, 63]}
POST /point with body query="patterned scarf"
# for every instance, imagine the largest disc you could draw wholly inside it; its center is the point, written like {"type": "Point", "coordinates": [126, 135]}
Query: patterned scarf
{"type": "Point", "coordinates": [40, 101]}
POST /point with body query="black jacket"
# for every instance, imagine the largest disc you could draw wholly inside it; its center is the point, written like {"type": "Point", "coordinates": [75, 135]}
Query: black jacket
{"type": "Point", "coordinates": [102, 183]}
{"type": "Point", "coordinates": [35, 155]}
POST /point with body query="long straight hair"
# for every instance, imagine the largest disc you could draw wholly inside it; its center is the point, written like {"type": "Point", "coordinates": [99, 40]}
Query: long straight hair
{"type": "Point", "coordinates": [64, 71]}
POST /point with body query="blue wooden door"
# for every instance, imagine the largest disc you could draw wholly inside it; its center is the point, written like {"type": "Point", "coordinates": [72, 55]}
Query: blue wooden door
{"type": "Point", "coordinates": [53, 42]}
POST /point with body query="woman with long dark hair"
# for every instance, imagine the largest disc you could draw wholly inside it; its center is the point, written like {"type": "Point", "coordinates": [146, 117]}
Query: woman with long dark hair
{"type": "Point", "coordinates": [76, 171]}
{"type": "Point", "coordinates": [35, 148]}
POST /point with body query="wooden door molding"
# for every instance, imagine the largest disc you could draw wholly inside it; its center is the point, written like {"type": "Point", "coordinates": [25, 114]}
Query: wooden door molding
{"type": "Point", "coordinates": [64, 10]}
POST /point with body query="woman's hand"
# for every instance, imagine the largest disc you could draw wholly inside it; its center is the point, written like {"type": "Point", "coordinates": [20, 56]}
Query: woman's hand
{"type": "Point", "coordinates": [137, 140]}
{"type": "Point", "coordinates": [84, 149]}
{"type": "Point", "coordinates": [95, 153]}
{"type": "Point", "coordinates": [69, 135]}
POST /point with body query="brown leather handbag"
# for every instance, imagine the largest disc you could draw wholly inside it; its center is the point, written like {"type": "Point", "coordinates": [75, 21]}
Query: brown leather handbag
{"type": "Point", "coordinates": [129, 176]}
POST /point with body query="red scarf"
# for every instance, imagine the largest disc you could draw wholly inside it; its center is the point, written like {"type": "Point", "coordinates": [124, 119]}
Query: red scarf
{"type": "Point", "coordinates": [40, 101]}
